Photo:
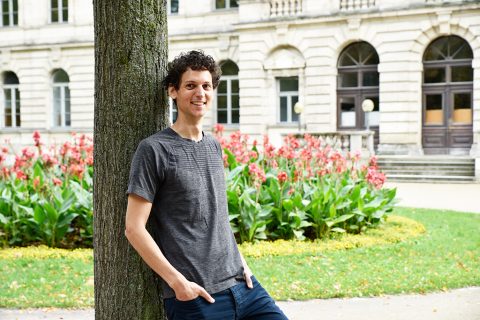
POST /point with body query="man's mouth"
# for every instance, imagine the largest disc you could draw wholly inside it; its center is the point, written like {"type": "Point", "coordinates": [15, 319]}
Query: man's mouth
{"type": "Point", "coordinates": [198, 103]}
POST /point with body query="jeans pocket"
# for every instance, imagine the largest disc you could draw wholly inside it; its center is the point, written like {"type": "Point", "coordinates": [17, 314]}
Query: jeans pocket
{"type": "Point", "coordinates": [192, 302]}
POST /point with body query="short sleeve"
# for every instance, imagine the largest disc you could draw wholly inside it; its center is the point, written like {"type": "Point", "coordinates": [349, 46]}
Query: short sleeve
{"type": "Point", "coordinates": [146, 172]}
{"type": "Point", "coordinates": [218, 147]}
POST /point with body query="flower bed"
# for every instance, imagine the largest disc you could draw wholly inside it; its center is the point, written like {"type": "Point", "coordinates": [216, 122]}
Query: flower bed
{"type": "Point", "coordinates": [46, 194]}
{"type": "Point", "coordinates": [304, 189]}
{"type": "Point", "coordinates": [301, 190]}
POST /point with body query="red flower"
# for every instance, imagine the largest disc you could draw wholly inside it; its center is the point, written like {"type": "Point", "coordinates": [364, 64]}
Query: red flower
{"type": "Point", "coordinates": [5, 172]}
{"type": "Point", "coordinates": [374, 177]}
{"type": "Point", "coordinates": [77, 170]}
{"type": "Point", "coordinates": [36, 138]}
{"type": "Point", "coordinates": [57, 181]}
{"type": "Point", "coordinates": [21, 175]}
{"type": "Point", "coordinates": [49, 160]}
{"type": "Point", "coordinates": [257, 173]}
{"type": "Point", "coordinates": [282, 176]}
{"type": "Point", "coordinates": [218, 129]}
{"type": "Point", "coordinates": [27, 153]}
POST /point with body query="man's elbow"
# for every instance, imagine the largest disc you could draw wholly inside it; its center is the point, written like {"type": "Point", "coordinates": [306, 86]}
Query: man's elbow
{"type": "Point", "coordinates": [130, 232]}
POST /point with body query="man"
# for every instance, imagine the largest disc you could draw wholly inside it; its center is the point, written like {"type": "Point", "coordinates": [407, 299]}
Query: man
{"type": "Point", "coordinates": [177, 176]}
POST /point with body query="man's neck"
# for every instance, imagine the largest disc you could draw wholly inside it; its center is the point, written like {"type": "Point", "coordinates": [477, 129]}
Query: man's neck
{"type": "Point", "coordinates": [188, 131]}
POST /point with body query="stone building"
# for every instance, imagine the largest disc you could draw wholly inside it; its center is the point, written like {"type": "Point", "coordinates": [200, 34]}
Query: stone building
{"type": "Point", "coordinates": [418, 61]}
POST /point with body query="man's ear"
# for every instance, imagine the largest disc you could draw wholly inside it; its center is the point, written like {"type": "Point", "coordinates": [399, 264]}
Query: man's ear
{"type": "Point", "coordinates": [172, 92]}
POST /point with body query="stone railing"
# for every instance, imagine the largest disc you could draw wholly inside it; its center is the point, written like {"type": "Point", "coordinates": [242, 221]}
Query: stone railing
{"type": "Point", "coordinates": [347, 141]}
{"type": "Point", "coordinates": [348, 5]}
{"type": "Point", "coordinates": [285, 8]}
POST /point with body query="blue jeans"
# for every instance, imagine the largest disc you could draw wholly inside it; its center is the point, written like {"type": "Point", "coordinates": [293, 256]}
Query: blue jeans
{"type": "Point", "coordinates": [236, 303]}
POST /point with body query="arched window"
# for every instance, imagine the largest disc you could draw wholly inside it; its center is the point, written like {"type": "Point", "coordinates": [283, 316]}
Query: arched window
{"type": "Point", "coordinates": [11, 95]}
{"type": "Point", "coordinates": [447, 95]}
{"type": "Point", "coordinates": [358, 80]}
{"type": "Point", "coordinates": [228, 98]}
{"type": "Point", "coordinates": [61, 99]}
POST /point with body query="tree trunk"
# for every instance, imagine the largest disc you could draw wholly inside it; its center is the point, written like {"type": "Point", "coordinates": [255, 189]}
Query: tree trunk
{"type": "Point", "coordinates": [130, 62]}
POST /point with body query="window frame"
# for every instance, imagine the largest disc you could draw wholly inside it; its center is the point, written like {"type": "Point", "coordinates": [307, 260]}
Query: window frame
{"type": "Point", "coordinates": [172, 111]}
{"type": "Point", "coordinates": [11, 14]}
{"type": "Point", "coordinates": [358, 92]}
{"type": "Point", "coordinates": [229, 109]}
{"type": "Point", "coordinates": [62, 86]}
{"type": "Point", "coordinates": [289, 95]}
{"type": "Point", "coordinates": [14, 88]}
{"type": "Point", "coordinates": [60, 9]}
{"type": "Point", "coordinates": [169, 8]}
{"type": "Point", "coordinates": [227, 5]}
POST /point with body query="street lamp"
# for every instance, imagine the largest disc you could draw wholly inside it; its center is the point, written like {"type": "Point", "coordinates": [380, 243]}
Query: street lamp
{"type": "Point", "coordinates": [298, 108]}
{"type": "Point", "coordinates": [367, 107]}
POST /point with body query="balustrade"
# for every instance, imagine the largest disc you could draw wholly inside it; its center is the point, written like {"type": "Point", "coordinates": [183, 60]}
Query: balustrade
{"type": "Point", "coordinates": [347, 5]}
{"type": "Point", "coordinates": [346, 141]}
{"type": "Point", "coordinates": [285, 8]}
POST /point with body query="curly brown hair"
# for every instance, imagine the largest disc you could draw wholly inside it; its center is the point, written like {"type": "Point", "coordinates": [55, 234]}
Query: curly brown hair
{"type": "Point", "coordinates": [195, 60]}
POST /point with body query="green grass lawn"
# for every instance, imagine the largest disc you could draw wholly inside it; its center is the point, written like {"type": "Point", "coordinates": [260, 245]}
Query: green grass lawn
{"type": "Point", "coordinates": [446, 256]}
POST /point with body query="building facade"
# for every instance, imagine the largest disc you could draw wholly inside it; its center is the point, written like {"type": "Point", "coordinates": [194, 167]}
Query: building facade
{"type": "Point", "coordinates": [417, 61]}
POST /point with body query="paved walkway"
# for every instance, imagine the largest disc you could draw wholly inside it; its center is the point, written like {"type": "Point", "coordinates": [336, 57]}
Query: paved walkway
{"type": "Point", "coordinates": [460, 304]}
{"type": "Point", "coordinates": [459, 196]}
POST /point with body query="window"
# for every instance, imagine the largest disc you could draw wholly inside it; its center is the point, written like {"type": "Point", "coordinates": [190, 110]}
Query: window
{"type": "Point", "coordinates": [358, 80]}
{"type": "Point", "coordinates": [448, 60]}
{"type": "Point", "coordinates": [228, 95]}
{"type": "Point", "coordinates": [173, 6]}
{"type": "Point", "coordinates": [61, 99]}
{"type": "Point", "coordinates": [226, 4]}
{"type": "Point", "coordinates": [172, 110]}
{"type": "Point", "coordinates": [11, 96]}
{"type": "Point", "coordinates": [59, 11]}
{"type": "Point", "coordinates": [9, 15]}
{"type": "Point", "coordinates": [288, 96]}
{"type": "Point", "coordinates": [447, 95]}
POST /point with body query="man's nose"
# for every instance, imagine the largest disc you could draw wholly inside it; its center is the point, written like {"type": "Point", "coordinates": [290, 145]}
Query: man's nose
{"type": "Point", "coordinates": [200, 92]}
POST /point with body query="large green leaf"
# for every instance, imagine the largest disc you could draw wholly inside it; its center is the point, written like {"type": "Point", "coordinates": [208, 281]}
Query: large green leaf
{"type": "Point", "coordinates": [340, 219]}
{"type": "Point", "coordinates": [39, 214]}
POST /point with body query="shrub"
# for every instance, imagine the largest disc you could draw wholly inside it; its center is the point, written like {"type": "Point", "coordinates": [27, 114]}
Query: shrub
{"type": "Point", "coordinates": [46, 194]}
{"type": "Point", "coordinates": [304, 189]}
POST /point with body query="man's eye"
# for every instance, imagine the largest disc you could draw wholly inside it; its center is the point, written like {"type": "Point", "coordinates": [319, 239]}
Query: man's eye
{"type": "Point", "coordinates": [190, 86]}
{"type": "Point", "coordinates": [207, 86]}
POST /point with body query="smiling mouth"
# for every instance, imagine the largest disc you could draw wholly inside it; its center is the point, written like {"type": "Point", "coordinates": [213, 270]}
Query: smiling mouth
{"type": "Point", "coordinates": [198, 103]}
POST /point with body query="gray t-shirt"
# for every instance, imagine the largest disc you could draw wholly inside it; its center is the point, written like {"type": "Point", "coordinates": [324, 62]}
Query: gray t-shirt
{"type": "Point", "coordinates": [185, 182]}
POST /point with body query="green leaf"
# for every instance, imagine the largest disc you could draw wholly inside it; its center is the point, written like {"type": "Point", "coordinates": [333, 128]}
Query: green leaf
{"type": "Point", "coordinates": [287, 205]}
{"type": "Point", "coordinates": [231, 160]}
{"type": "Point", "coordinates": [39, 215]}
{"type": "Point", "coordinates": [340, 219]}
{"type": "Point", "coordinates": [232, 174]}
{"type": "Point", "coordinates": [51, 213]}
{"type": "Point", "coordinates": [332, 211]}
{"type": "Point", "coordinates": [3, 219]}
{"type": "Point", "coordinates": [38, 171]}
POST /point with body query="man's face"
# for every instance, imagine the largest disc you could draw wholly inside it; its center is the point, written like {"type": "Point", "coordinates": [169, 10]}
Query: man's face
{"type": "Point", "coordinates": [194, 95]}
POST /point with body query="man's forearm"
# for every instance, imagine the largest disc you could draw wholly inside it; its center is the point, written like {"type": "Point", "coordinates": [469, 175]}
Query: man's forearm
{"type": "Point", "coordinates": [146, 247]}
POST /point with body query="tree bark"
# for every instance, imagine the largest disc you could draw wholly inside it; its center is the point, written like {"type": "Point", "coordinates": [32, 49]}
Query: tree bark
{"type": "Point", "coordinates": [131, 54]}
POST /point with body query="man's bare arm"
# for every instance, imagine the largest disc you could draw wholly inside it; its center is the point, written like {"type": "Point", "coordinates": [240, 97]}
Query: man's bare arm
{"type": "Point", "coordinates": [138, 211]}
